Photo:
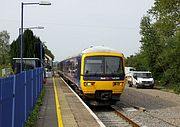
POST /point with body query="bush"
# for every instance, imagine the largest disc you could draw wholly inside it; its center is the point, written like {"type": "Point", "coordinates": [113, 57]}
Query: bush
{"type": "Point", "coordinates": [177, 88]}
{"type": "Point", "coordinates": [34, 114]}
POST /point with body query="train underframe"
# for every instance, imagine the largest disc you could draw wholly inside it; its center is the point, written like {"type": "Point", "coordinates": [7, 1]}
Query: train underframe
{"type": "Point", "coordinates": [100, 98]}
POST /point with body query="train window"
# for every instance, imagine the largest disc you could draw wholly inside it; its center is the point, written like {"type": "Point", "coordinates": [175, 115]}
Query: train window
{"type": "Point", "coordinates": [93, 65]}
{"type": "Point", "coordinates": [103, 65]}
{"type": "Point", "coordinates": [113, 65]}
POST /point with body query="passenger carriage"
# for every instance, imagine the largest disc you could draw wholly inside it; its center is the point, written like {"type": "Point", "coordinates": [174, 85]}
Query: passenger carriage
{"type": "Point", "coordinates": [97, 74]}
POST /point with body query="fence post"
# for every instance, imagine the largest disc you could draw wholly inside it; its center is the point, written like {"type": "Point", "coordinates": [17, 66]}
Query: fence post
{"type": "Point", "coordinates": [25, 95]}
{"type": "Point", "coordinates": [39, 75]}
{"type": "Point", "coordinates": [36, 82]}
{"type": "Point", "coordinates": [42, 75]}
{"type": "Point", "coordinates": [32, 89]}
{"type": "Point", "coordinates": [0, 103]}
{"type": "Point", "coordinates": [13, 107]}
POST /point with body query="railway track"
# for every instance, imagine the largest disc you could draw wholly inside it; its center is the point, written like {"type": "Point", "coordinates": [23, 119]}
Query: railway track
{"type": "Point", "coordinates": [111, 117]}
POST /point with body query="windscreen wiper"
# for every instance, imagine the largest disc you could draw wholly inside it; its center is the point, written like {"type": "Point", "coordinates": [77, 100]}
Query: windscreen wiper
{"type": "Point", "coordinates": [111, 70]}
{"type": "Point", "coordinates": [99, 68]}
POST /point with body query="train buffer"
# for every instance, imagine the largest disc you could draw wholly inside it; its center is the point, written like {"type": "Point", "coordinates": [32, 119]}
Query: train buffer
{"type": "Point", "coordinates": [62, 108]}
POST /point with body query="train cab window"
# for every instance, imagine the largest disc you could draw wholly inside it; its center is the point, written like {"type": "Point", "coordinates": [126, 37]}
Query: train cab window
{"type": "Point", "coordinates": [103, 65]}
{"type": "Point", "coordinates": [93, 65]}
{"type": "Point", "coordinates": [113, 65]}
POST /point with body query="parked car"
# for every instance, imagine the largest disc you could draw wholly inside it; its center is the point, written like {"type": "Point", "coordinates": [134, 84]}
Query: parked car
{"type": "Point", "coordinates": [140, 79]}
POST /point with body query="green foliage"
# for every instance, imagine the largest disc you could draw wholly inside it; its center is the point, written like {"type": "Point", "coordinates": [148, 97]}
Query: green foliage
{"type": "Point", "coordinates": [151, 45]}
{"type": "Point", "coordinates": [29, 44]}
{"type": "Point", "coordinates": [31, 47]}
{"type": "Point", "coordinates": [160, 43]}
{"type": "Point", "coordinates": [31, 122]}
{"type": "Point", "coordinates": [177, 88]}
{"type": "Point", "coordinates": [4, 48]}
{"type": "Point", "coordinates": [49, 53]}
{"type": "Point", "coordinates": [7, 66]}
{"type": "Point", "coordinates": [4, 51]}
{"type": "Point", "coordinates": [138, 61]}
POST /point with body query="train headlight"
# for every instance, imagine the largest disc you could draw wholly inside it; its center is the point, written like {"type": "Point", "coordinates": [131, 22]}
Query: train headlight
{"type": "Point", "coordinates": [117, 83]}
{"type": "Point", "coordinates": [89, 83]}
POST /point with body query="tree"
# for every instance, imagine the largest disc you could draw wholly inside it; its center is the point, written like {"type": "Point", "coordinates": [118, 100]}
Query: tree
{"type": "Point", "coordinates": [4, 47]}
{"type": "Point", "coordinates": [151, 46]}
{"type": "Point", "coordinates": [160, 42]}
{"type": "Point", "coordinates": [137, 61]}
{"type": "Point", "coordinates": [31, 47]}
{"type": "Point", "coordinates": [167, 15]}
{"type": "Point", "coordinates": [49, 53]}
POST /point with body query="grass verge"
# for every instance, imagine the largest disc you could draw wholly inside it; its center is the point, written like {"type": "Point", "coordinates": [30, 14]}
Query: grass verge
{"type": "Point", "coordinates": [31, 121]}
{"type": "Point", "coordinates": [172, 89]}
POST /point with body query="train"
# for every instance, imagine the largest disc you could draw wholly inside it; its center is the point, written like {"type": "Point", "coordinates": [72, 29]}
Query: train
{"type": "Point", "coordinates": [97, 74]}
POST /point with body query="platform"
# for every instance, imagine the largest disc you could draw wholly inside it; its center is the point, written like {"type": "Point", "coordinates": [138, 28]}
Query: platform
{"type": "Point", "coordinates": [61, 107]}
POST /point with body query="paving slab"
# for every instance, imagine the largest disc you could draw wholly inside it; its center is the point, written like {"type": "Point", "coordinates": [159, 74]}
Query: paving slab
{"type": "Point", "coordinates": [72, 111]}
{"type": "Point", "coordinates": [47, 115]}
{"type": "Point", "coordinates": [79, 113]}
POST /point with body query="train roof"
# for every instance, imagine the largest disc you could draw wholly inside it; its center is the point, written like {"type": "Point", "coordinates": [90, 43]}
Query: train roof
{"type": "Point", "coordinates": [95, 49]}
{"type": "Point", "coordinates": [99, 49]}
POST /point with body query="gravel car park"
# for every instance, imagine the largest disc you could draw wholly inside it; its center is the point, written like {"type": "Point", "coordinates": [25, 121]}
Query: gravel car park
{"type": "Point", "coordinates": [162, 109]}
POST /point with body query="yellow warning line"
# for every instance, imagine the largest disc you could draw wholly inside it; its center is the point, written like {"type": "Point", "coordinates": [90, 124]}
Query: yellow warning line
{"type": "Point", "coordinates": [59, 118]}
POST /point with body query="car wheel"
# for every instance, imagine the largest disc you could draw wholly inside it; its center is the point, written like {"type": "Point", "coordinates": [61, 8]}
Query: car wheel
{"type": "Point", "coordinates": [130, 85]}
{"type": "Point", "coordinates": [136, 86]}
{"type": "Point", "coordinates": [152, 86]}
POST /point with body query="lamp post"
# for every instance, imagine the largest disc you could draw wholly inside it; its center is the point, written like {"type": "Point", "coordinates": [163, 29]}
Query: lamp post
{"type": "Point", "coordinates": [21, 47]}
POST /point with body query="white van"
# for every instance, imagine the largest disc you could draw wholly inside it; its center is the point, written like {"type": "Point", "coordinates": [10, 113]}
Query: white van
{"type": "Point", "coordinates": [140, 79]}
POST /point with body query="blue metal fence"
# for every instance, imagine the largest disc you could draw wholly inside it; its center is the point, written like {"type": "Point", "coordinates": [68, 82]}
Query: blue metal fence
{"type": "Point", "coordinates": [18, 95]}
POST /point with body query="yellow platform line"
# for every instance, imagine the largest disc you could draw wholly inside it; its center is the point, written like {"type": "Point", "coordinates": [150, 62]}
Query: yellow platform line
{"type": "Point", "coordinates": [58, 111]}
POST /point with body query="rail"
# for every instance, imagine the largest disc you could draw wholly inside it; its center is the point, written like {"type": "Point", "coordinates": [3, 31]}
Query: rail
{"type": "Point", "coordinates": [124, 117]}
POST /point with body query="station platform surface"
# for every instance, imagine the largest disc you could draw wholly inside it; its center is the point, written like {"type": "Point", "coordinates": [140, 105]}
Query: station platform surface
{"type": "Point", "coordinates": [62, 108]}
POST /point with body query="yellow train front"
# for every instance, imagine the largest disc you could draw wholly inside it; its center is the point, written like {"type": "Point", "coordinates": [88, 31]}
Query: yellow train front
{"type": "Point", "coordinates": [101, 77]}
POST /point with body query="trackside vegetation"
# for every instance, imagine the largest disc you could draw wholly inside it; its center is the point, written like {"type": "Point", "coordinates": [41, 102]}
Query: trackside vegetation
{"type": "Point", "coordinates": [4, 51]}
{"type": "Point", "coordinates": [31, 47]}
{"type": "Point", "coordinates": [160, 44]}
{"type": "Point", "coordinates": [32, 119]}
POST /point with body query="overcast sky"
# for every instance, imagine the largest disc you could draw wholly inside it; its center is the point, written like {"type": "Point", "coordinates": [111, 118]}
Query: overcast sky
{"type": "Point", "coordinates": [73, 25]}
